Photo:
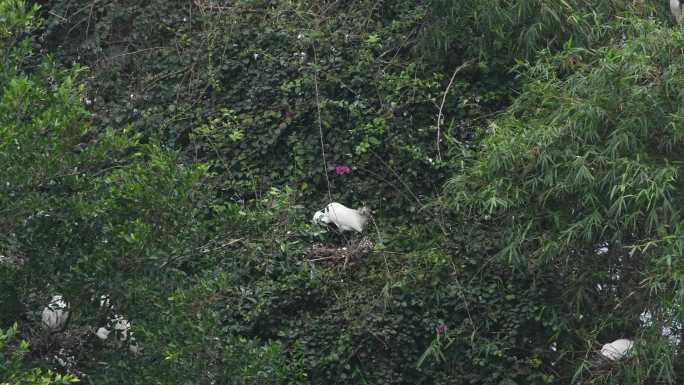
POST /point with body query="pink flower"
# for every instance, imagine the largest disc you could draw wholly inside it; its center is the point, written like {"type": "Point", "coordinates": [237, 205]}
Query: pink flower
{"type": "Point", "coordinates": [341, 169]}
{"type": "Point", "coordinates": [440, 328]}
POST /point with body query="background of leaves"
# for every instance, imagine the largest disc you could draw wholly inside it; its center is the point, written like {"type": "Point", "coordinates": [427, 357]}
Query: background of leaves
{"type": "Point", "coordinates": [178, 172]}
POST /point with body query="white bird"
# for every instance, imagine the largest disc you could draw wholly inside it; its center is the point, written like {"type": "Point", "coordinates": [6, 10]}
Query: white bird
{"type": "Point", "coordinates": [343, 217]}
{"type": "Point", "coordinates": [56, 313]}
{"type": "Point", "coordinates": [670, 329]}
{"type": "Point", "coordinates": [102, 333]}
{"type": "Point", "coordinates": [617, 349]}
{"type": "Point", "coordinates": [676, 9]}
{"type": "Point", "coordinates": [105, 302]}
{"type": "Point", "coordinates": [121, 326]}
{"type": "Point", "coordinates": [134, 347]}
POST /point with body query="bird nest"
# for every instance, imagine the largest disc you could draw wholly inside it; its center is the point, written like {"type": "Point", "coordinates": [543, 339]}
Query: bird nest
{"type": "Point", "coordinates": [64, 349]}
{"type": "Point", "coordinates": [13, 260]}
{"type": "Point", "coordinates": [343, 256]}
{"type": "Point", "coordinates": [603, 367]}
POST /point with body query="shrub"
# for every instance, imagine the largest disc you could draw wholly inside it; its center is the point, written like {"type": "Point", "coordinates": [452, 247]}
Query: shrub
{"type": "Point", "coordinates": [87, 213]}
{"type": "Point", "coordinates": [239, 93]}
{"type": "Point", "coordinates": [12, 369]}
{"type": "Point", "coordinates": [582, 175]}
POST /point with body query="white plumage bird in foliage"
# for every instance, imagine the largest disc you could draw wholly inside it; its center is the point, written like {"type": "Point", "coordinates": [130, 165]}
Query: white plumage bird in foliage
{"type": "Point", "coordinates": [617, 349]}
{"type": "Point", "coordinates": [342, 217]}
{"type": "Point", "coordinates": [118, 324]}
{"type": "Point", "coordinates": [103, 333]}
{"type": "Point", "coordinates": [55, 314]}
{"type": "Point", "coordinates": [676, 9]}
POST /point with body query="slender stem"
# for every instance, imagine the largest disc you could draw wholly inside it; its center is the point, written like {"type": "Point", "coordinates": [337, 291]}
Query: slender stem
{"type": "Point", "coordinates": [441, 107]}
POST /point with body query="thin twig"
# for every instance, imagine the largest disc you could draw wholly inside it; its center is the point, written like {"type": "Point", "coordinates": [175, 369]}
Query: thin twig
{"type": "Point", "coordinates": [58, 16]}
{"type": "Point", "coordinates": [398, 178]}
{"type": "Point", "coordinates": [326, 258]}
{"type": "Point", "coordinates": [320, 122]}
{"type": "Point", "coordinates": [384, 256]}
{"type": "Point", "coordinates": [461, 293]}
{"type": "Point", "coordinates": [388, 182]}
{"type": "Point", "coordinates": [131, 53]}
{"type": "Point", "coordinates": [439, 116]}
{"type": "Point", "coordinates": [90, 17]}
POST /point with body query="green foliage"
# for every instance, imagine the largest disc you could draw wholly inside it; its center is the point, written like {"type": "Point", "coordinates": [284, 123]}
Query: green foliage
{"type": "Point", "coordinates": [582, 174]}
{"type": "Point", "coordinates": [178, 173]}
{"type": "Point", "coordinates": [497, 35]}
{"type": "Point", "coordinates": [359, 325]}
{"type": "Point", "coordinates": [235, 87]}
{"type": "Point", "coordinates": [502, 31]}
{"type": "Point", "coordinates": [198, 349]}
{"type": "Point", "coordinates": [86, 213]}
{"type": "Point", "coordinates": [12, 369]}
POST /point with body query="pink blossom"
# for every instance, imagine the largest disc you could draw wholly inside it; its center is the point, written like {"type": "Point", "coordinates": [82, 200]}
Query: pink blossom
{"type": "Point", "coordinates": [342, 169]}
{"type": "Point", "coordinates": [440, 328]}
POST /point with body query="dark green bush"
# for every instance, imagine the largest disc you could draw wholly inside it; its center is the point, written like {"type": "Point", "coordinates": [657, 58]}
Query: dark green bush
{"type": "Point", "coordinates": [177, 175]}
{"type": "Point", "coordinates": [12, 368]}
{"type": "Point", "coordinates": [235, 86]}
{"type": "Point", "coordinates": [87, 213]}
{"type": "Point", "coordinates": [582, 174]}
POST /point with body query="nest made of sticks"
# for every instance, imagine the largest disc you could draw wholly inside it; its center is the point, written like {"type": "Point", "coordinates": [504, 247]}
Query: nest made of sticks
{"type": "Point", "coordinates": [600, 366]}
{"type": "Point", "coordinates": [64, 349]}
{"type": "Point", "coordinates": [340, 255]}
{"type": "Point", "coordinates": [14, 259]}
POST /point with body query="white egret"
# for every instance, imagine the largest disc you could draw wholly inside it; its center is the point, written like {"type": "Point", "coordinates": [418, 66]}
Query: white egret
{"type": "Point", "coordinates": [134, 347]}
{"type": "Point", "coordinates": [56, 313]}
{"type": "Point", "coordinates": [122, 329]}
{"type": "Point", "coordinates": [617, 349]}
{"type": "Point", "coordinates": [105, 302]}
{"type": "Point", "coordinates": [102, 333]}
{"type": "Point", "coordinates": [344, 218]}
{"type": "Point", "coordinates": [118, 324]}
{"type": "Point", "coordinates": [670, 327]}
{"type": "Point", "coordinates": [121, 326]}
{"type": "Point", "coordinates": [676, 9]}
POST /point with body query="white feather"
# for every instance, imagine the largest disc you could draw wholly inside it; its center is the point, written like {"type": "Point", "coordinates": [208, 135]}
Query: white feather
{"type": "Point", "coordinates": [343, 217]}
{"type": "Point", "coordinates": [102, 333]}
{"type": "Point", "coordinates": [321, 218]}
{"type": "Point", "coordinates": [134, 348]}
{"type": "Point", "coordinates": [56, 313]}
{"type": "Point", "coordinates": [121, 326]}
{"type": "Point", "coordinates": [105, 301]}
{"type": "Point", "coordinates": [617, 349]}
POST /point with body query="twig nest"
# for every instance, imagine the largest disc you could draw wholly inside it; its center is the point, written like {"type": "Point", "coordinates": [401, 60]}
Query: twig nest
{"type": "Point", "coordinates": [617, 349]}
{"type": "Point", "coordinates": [341, 255]}
{"type": "Point", "coordinates": [55, 314]}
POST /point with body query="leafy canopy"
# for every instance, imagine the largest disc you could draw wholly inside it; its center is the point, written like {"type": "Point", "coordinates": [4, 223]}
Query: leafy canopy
{"type": "Point", "coordinates": [583, 175]}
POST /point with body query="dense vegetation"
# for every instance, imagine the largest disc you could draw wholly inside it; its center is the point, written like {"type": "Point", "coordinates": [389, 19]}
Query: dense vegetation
{"type": "Point", "coordinates": [522, 160]}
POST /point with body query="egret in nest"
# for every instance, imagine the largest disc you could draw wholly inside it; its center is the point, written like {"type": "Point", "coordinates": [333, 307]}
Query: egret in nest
{"type": "Point", "coordinates": [55, 314]}
{"type": "Point", "coordinates": [617, 349]}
